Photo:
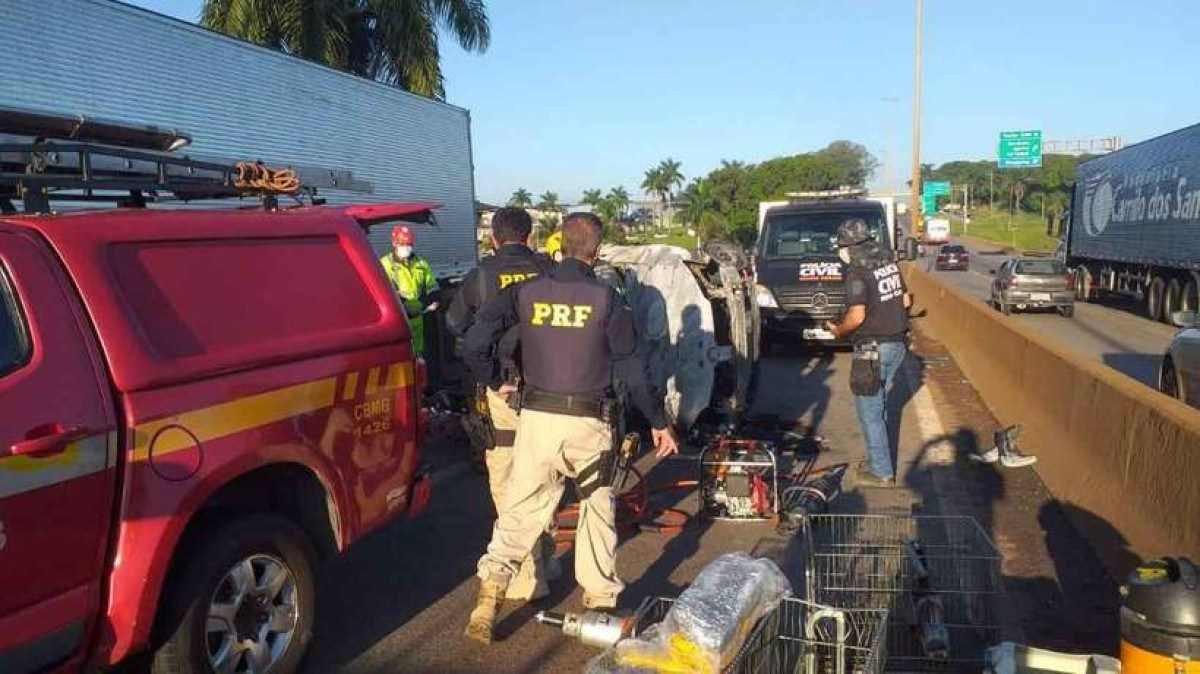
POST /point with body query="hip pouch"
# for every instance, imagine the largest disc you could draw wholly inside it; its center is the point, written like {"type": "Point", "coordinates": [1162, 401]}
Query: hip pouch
{"type": "Point", "coordinates": [865, 376]}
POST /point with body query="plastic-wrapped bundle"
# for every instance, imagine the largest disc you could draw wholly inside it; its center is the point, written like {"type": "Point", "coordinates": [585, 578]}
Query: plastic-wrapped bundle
{"type": "Point", "coordinates": [706, 627]}
{"type": "Point", "coordinates": [713, 617]}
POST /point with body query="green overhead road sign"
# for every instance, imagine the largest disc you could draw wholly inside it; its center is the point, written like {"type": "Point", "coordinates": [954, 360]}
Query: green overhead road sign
{"type": "Point", "coordinates": [935, 188]}
{"type": "Point", "coordinates": [929, 203]}
{"type": "Point", "coordinates": [1020, 149]}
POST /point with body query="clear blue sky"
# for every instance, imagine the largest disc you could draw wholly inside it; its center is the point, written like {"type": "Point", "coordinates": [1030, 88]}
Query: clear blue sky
{"type": "Point", "coordinates": [575, 94]}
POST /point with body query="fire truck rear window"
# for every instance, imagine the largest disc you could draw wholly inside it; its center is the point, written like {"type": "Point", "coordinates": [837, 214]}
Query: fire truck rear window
{"type": "Point", "coordinates": [14, 340]}
{"type": "Point", "coordinates": [207, 296]}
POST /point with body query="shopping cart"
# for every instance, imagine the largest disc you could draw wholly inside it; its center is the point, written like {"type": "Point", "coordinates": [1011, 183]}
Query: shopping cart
{"type": "Point", "coordinates": [800, 637]}
{"type": "Point", "coordinates": [938, 578]}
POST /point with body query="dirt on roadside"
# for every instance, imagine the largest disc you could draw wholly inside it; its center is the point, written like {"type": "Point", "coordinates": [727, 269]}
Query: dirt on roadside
{"type": "Point", "coordinates": [1058, 591]}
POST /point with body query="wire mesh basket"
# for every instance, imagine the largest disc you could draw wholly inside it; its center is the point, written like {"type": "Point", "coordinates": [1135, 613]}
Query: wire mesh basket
{"type": "Point", "coordinates": [937, 576]}
{"type": "Point", "coordinates": [800, 637]}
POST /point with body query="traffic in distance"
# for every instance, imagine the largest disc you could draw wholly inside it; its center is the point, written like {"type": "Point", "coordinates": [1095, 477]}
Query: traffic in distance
{"type": "Point", "coordinates": [297, 376]}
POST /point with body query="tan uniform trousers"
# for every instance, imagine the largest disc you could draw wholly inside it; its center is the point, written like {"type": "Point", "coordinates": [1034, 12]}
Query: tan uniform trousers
{"type": "Point", "coordinates": [531, 579]}
{"type": "Point", "coordinates": [549, 448]}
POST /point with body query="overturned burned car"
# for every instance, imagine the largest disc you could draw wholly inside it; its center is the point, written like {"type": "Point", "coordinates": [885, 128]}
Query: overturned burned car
{"type": "Point", "coordinates": [698, 323]}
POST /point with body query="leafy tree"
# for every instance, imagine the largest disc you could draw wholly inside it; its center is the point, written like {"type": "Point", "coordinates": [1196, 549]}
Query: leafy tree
{"type": "Point", "coordinates": [391, 41]}
{"type": "Point", "coordinates": [725, 202]}
{"type": "Point", "coordinates": [521, 198]}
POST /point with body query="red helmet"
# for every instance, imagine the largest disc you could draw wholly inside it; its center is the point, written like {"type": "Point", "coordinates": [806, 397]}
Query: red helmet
{"type": "Point", "coordinates": [401, 236]}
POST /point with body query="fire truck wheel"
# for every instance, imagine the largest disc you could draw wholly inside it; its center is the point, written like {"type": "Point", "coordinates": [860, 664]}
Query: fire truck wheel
{"type": "Point", "coordinates": [244, 602]}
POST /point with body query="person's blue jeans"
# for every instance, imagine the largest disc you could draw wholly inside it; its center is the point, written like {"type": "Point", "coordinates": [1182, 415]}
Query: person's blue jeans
{"type": "Point", "coordinates": [872, 411]}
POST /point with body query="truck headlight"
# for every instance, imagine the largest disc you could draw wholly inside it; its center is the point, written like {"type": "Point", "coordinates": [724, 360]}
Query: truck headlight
{"type": "Point", "coordinates": [764, 297]}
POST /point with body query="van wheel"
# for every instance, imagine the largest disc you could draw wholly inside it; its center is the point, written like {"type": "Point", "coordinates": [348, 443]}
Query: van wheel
{"type": "Point", "coordinates": [244, 601]}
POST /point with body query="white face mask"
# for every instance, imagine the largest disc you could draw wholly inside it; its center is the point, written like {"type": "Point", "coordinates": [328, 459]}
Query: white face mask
{"type": "Point", "coordinates": [403, 252]}
{"type": "Point", "coordinates": [844, 255]}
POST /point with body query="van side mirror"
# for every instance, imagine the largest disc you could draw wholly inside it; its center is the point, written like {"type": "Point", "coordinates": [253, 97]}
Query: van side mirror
{"type": "Point", "coordinates": [1184, 319]}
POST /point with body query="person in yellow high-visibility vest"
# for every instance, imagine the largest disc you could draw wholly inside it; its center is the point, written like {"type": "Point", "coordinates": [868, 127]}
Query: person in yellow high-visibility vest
{"type": "Point", "coordinates": [554, 246]}
{"type": "Point", "coordinates": [413, 280]}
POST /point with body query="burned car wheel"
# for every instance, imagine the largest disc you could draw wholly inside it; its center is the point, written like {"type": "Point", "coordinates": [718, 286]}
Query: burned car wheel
{"type": "Point", "coordinates": [244, 601]}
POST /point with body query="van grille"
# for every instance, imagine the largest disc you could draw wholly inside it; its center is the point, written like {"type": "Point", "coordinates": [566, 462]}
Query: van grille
{"type": "Point", "coordinates": [793, 299]}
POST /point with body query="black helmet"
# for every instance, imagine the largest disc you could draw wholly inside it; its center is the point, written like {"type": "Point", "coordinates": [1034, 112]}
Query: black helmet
{"type": "Point", "coordinates": [853, 232]}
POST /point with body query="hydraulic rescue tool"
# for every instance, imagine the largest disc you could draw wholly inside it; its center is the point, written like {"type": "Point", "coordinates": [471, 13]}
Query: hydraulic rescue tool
{"type": "Point", "coordinates": [592, 628]}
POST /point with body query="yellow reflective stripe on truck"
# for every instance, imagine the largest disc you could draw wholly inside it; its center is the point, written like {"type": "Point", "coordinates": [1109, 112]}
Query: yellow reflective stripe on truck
{"type": "Point", "coordinates": [19, 474]}
{"type": "Point", "coordinates": [243, 414]}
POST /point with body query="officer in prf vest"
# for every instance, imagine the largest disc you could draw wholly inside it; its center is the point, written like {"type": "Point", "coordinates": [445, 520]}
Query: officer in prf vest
{"type": "Point", "coordinates": [513, 263]}
{"type": "Point", "coordinates": [573, 331]}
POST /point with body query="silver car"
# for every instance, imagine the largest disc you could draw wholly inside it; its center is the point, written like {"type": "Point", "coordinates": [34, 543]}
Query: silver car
{"type": "Point", "coordinates": [1033, 283]}
{"type": "Point", "coordinates": [1179, 374]}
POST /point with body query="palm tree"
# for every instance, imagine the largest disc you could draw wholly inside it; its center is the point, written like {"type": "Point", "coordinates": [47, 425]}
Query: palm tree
{"type": "Point", "coordinates": [592, 198]}
{"type": "Point", "coordinates": [653, 184]}
{"type": "Point", "coordinates": [548, 201]}
{"type": "Point", "coordinates": [670, 176]}
{"type": "Point", "coordinates": [391, 41]}
{"type": "Point", "coordinates": [698, 200]}
{"type": "Point", "coordinates": [521, 198]}
{"type": "Point", "coordinates": [620, 200]}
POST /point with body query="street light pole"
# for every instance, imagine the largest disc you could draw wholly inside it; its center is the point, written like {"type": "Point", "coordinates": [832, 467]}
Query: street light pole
{"type": "Point", "coordinates": [915, 198]}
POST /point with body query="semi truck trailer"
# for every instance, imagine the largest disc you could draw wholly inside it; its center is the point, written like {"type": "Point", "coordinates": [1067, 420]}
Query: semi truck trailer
{"type": "Point", "coordinates": [1134, 224]}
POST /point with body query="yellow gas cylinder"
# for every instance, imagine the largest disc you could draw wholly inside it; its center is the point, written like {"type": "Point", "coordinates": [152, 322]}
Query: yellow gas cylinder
{"type": "Point", "coordinates": [1160, 618]}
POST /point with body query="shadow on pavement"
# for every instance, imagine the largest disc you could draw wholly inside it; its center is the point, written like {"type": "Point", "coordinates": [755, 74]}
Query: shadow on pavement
{"type": "Point", "coordinates": [1058, 592]}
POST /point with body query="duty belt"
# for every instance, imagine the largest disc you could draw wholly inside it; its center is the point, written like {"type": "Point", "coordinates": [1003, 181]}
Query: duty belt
{"type": "Point", "coordinates": [576, 405]}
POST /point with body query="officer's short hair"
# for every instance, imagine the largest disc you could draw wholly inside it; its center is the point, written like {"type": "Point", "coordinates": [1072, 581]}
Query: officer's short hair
{"type": "Point", "coordinates": [581, 234]}
{"type": "Point", "coordinates": [511, 225]}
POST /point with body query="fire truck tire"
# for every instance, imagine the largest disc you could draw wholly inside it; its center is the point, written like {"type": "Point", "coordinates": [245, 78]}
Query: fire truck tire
{"type": "Point", "coordinates": [210, 619]}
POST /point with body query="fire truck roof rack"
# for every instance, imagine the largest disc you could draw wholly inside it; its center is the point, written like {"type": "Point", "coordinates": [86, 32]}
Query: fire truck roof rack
{"type": "Point", "coordinates": [46, 157]}
{"type": "Point", "coordinates": [39, 172]}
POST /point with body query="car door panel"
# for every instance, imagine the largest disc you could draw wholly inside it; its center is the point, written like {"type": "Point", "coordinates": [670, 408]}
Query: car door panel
{"type": "Point", "coordinates": [57, 451]}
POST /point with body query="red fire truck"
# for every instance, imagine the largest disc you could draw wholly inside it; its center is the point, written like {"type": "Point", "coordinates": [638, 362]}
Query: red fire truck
{"type": "Point", "coordinates": [195, 407]}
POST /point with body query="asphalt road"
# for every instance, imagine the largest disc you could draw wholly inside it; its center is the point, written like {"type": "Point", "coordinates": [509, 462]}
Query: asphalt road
{"type": "Point", "coordinates": [398, 601]}
{"type": "Point", "coordinates": [1111, 332]}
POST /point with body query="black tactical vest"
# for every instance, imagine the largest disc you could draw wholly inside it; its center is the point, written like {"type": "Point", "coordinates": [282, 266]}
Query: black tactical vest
{"type": "Point", "coordinates": [564, 332]}
{"type": "Point", "coordinates": [511, 264]}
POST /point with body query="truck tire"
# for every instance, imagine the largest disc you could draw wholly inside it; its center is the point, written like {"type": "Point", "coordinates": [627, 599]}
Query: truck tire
{"type": "Point", "coordinates": [1172, 299]}
{"type": "Point", "coordinates": [1083, 285]}
{"type": "Point", "coordinates": [1154, 299]}
{"type": "Point", "coordinates": [254, 578]}
{"type": "Point", "coordinates": [1191, 295]}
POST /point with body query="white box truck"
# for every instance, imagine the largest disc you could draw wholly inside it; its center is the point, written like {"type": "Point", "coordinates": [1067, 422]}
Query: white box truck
{"type": "Point", "coordinates": [354, 139]}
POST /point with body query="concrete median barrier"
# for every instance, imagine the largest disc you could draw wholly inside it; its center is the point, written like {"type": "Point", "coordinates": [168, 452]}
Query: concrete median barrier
{"type": "Point", "coordinates": [1105, 443]}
